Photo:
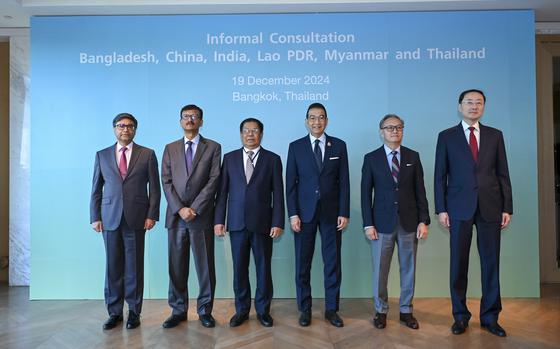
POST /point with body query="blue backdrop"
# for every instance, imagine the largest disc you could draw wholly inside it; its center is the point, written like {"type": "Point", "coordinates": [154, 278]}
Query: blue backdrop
{"type": "Point", "coordinates": [85, 70]}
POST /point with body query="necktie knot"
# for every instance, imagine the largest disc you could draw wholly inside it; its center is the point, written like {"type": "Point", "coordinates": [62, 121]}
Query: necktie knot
{"type": "Point", "coordinates": [250, 154]}
{"type": "Point", "coordinates": [249, 167]}
{"type": "Point", "coordinates": [189, 157]}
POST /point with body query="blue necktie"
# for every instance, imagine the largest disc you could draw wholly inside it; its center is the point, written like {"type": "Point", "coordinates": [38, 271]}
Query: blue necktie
{"type": "Point", "coordinates": [318, 155]}
{"type": "Point", "coordinates": [188, 157]}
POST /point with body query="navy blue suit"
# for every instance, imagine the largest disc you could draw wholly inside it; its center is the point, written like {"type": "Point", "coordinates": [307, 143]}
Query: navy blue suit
{"type": "Point", "coordinates": [318, 196]}
{"type": "Point", "coordinates": [473, 193]}
{"type": "Point", "coordinates": [252, 210]}
{"type": "Point", "coordinates": [406, 202]}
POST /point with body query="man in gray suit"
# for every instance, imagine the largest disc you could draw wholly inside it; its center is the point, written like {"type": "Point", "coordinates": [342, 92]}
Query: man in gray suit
{"type": "Point", "coordinates": [189, 173]}
{"type": "Point", "coordinates": [124, 204]}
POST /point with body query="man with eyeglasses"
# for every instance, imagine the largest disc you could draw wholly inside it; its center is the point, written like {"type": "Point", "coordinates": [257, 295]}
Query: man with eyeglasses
{"type": "Point", "coordinates": [252, 192]}
{"type": "Point", "coordinates": [472, 187]}
{"type": "Point", "coordinates": [124, 204]}
{"type": "Point", "coordinates": [189, 173]}
{"type": "Point", "coordinates": [394, 211]}
{"type": "Point", "coordinates": [318, 196]}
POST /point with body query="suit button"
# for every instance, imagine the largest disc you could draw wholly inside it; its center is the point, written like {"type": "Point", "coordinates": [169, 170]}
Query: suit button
{"type": "Point", "coordinates": [396, 189]}
{"type": "Point", "coordinates": [316, 192]}
{"type": "Point", "coordinates": [396, 203]}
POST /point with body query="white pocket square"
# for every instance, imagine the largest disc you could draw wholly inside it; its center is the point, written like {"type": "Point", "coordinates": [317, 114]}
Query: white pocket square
{"type": "Point", "coordinates": [408, 165]}
{"type": "Point", "coordinates": [334, 158]}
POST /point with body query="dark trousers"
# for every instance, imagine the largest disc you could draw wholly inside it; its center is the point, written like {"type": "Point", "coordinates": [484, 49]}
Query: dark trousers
{"type": "Point", "coordinates": [331, 240]}
{"type": "Point", "coordinates": [488, 243]}
{"type": "Point", "coordinates": [242, 242]}
{"type": "Point", "coordinates": [180, 241]}
{"type": "Point", "coordinates": [124, 272]}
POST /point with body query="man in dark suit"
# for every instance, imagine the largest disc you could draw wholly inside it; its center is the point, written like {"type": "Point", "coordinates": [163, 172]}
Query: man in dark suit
{"type": "Point", "coordinates": [472, 187]}
{"type": "Point", "coordinates": [252, 191]}
{"type": "Point", "coordinates": [124, 204]}
{"type": "Point", "coordinates": [397, 214]}
{"type": "Point", "coordinates": [190, 171]}
{"type": "Point", "coordinates": [318, 196]}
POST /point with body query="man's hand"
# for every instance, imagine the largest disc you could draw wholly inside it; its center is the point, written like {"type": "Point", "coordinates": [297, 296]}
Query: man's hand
{"type": "Point", "coordinates": [506, 217]}
{"type": "Point", "coordinates": [422, 231]}
{"type": "Point", "coordinates": [187, 214]}
{"type": "Point", "coordinates": [97, 226]}
{"type": "Point", "coordinates": [341, 223]}
{"type": "Point", "coordinates": [149, 223]}
{"type": "Point", "coordinates": [275, 232]}
{"type": "Point", "coordinates": [443, 219]}
{"type": "Point", "coordinates": [371, 233]}
{"type": "Point", "coordinates": [295, 222]}
{"type": "Point", "coordinates": [220, 230]}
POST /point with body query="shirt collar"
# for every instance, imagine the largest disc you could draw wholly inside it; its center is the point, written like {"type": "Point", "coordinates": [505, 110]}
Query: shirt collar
{"type": "Point", "coordinates": [389, 150]}
{"type": "Point", "coordinates": [195, 140]}
{"type": "Point", "coordinates": [322, 139]}
{"type": "Point", "coordinates": [255, 151]}
{"type": "Point", "coordinates": [466, 126]}
{"type": "Point", "coordinates": [129, 147]}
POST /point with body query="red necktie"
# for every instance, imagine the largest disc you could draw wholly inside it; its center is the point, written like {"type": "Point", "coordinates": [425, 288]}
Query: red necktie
{"type": "Point", "coordinates": [473, 144]}
{"type": "Point", "coordinates": [122, 163]}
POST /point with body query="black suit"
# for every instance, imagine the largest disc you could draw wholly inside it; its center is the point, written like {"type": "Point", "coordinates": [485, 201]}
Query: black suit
{"type": "Point", "coordinates": [473, 193]}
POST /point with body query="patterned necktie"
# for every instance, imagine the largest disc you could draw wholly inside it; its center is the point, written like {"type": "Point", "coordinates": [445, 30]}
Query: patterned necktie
{"type": "Point", "coordinates": [123, 167]}
{"type": "Point", "coordinates": [249, 166]}
{"type": "Point", "coordinates": [473, 144]}
{"type": "Point", "coordinates": [188, 157]}
{"type": "Point", "coordinates": [318, 155]}
{"type": "Point", "coordinates": [395, 167]}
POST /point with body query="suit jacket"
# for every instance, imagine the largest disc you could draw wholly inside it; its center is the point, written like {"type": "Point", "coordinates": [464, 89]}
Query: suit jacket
{"type": "Point", "coordinates": [257, 205]}
{"type": "Point", "coordinates": [306, 184]}
{"type": "Point", "coordinates": [461, 184]}
{"type": "Point", "coordinates": [137, 196]}
{"type": "Point", "coordinates": [407, 201]}
{"type": "Point", "coordinates": [196, 190]}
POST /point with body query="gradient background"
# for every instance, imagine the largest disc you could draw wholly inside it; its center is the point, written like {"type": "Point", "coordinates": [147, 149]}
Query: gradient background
{"type": "Point", "coordinates": [73, 105]}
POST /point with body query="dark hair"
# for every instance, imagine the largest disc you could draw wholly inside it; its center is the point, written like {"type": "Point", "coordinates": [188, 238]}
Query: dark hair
{"type": "Point", "coordinates": [258, 122]}
{"type": "Point", "coordinates": [125, 116]}
{"type": "Point", "coordinates": [462, 95]}
{"type": "Point", "coordinates": [191, 107]}
{"type": "Point", "coordinates": [315, 105]}
{"type": "Point", "coordinates": [388, 116]}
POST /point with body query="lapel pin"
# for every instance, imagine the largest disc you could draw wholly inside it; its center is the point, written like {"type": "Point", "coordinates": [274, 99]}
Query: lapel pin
{"type": "Point", "coordinates": [328, 144]}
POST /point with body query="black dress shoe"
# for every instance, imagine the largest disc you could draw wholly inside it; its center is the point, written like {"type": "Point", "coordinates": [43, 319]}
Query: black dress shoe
{"type": "Point", "coordinates": [495, 329]}
{"type": "Point", "coordinates": [112, 322]}
{"type": "Point", "coordinates": [380, 320]}
{"type": "Point", "coordinates": [409, 320]}
{"type": "Point", "coordinates": [459, 327]}
{"type": "Point", "coordinates": [133, 320]}
{"type": "Point", "coordinates": [265, 320]}
{"type": "Point", "coordinates": [174, 320]}
{"type": "Point", "coordinates": [305, 318]}
{"type": "Point", "coordinates": [333, 318]}
{"type": "Point", "coordinates": [238, 319]}
{"type": "Point", "coordinates": [207, 320]}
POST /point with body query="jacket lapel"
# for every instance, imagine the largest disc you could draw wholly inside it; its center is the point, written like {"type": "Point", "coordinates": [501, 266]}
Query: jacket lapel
{"type": "Point", "coordinates": [382, 160]}
{"type": "Point", "coordinates": [136, 150]}
{"type": "Point", "coordinates": [200, 149]}
{"type": "Point", "coordinates": [260, 164]}
{"type": "Point", "coordinates": [464, 144]}
{"type": "Point", "coordinates": [328, 151]}
{"type": "Point", "coordinates": [179, 154]}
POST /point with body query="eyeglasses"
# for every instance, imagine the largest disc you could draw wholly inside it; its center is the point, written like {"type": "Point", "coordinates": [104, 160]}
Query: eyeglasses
{"type": "Point", "coordinates": [393, 128]}
{"type": "Point", "coordinates": [192, 117]}
{"type": "Point", "coordinates": [125, 126]}
{"type": "Point", "coordinates": [314, 118]}
{"type": "Point", "coordinates": [472, 104]}
{"type": "Point", "coordinates": [254, 131]}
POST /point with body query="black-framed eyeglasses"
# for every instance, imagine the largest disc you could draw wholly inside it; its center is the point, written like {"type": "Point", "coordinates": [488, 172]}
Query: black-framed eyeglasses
{"type": "Point", "coordinates": [313, 118]}
{"type": "Point", "coordinates": [192, 117]}
{"type": "Point", "coordinates": [125, 126]}
{"type": "Point", "coordinates": [393, 128]}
